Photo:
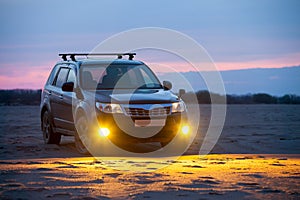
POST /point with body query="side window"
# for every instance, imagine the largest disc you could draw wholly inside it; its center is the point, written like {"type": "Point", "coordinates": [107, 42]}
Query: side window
{"type": "Point", "coordinates": [61, 77]}
{"type": "Point", "coordinates": [52, 75]}
{"type": "Point", "coordinates": [71, 76]}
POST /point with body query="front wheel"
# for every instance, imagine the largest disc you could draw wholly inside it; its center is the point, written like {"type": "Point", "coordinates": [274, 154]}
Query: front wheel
{"type": "Point", "coordinates": [82, 129]}
{"type": "Point", "coordinates": [50, 137]}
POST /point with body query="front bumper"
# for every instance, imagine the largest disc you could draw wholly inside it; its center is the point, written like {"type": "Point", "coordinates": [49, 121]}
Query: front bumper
{"type": "Point", "coordinates": [123, 129]}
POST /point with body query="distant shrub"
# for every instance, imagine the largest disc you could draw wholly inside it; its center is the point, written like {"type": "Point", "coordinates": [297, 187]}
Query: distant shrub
{"type": "Point", "coordinates": [289, 99]}
{"type": "Point", "coordinates": [204, 97]}
{"type": "Point", "coordinates": [20, 97]}
{"type": "Point", "coordinates": [264, 98]}
{"type": "Point", "coordinates": [33, 97]}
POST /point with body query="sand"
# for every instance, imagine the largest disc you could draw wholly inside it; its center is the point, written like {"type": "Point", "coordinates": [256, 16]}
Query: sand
{"type": "Point", "coordinates": [257, 157]}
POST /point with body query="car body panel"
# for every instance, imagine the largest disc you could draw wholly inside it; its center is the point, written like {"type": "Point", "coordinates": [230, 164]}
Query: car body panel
{"type": "Point", "coordinates": [64, 107]}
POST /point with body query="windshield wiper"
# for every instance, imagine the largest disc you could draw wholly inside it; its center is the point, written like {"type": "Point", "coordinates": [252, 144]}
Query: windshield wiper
{"type": "Point", "coordinates": [155, 86]}
{"type": "Point", "coordinates": [104, 88]}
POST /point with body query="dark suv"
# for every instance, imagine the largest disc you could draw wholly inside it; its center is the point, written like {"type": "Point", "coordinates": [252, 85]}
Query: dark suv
{"type": "Point", "coordinates": [118, 99]}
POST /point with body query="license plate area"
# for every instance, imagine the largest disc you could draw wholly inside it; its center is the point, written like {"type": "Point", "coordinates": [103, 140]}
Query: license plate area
{"type": "Point", "coordinates": [149, 122]}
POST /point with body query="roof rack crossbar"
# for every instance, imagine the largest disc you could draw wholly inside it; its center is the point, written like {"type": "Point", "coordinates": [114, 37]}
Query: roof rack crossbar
{"type": "Point", "coordinates": [72, 55]}
{"type": "Point", "coordinates": [64, 57]}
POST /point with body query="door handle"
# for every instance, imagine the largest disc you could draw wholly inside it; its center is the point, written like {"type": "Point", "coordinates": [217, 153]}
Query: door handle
{"type": "Point", "coordinates": [61, 96]}
{"type": "Point", "coordinates": [49, 92]}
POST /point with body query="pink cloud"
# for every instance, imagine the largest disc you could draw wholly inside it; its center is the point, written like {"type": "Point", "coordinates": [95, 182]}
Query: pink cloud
{"type": "Point", "coordinates": [26, 76]}
{"type": "Point", "coordinates": [26, 80]}
{"type": "Point", "coordinates": [183, 66]}
{"type": "Point", "coordinates": [283, 61]}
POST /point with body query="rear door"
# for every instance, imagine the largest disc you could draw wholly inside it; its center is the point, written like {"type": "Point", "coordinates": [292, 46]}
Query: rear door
{"type": "Point", "coordinates": [57, 103]}
{"type": "Point", "coordinates": [67, 102]}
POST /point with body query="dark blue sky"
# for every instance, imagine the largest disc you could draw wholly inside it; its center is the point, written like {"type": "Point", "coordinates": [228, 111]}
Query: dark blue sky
{"type": "Point", "coordinates": [237, 34]}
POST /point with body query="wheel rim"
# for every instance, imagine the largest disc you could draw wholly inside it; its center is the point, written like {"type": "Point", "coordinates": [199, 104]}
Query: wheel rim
{"type": "Point", "coordinates": [46, 127]}
{"type": "Point", "coordinates": [82, 125]}
{"type": "Point", "coordinates": [79, 145]}
{"type": "Point", "coordinates": [82, 129]}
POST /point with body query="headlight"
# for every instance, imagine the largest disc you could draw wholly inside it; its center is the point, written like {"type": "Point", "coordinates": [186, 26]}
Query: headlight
{"type": "Point", "coordinates": [178, 107]}
{"type": "Point", "coordinates": [109, 107]}
{"type": "Point", "coordinates": [104, 132]}
{"type": "Point", "coordinates": [185, 129]}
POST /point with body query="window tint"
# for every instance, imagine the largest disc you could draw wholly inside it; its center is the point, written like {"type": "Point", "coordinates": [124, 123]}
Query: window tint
{"type": "Point", "coordinates": [147, 80]}
{"type": "Point", "coordinates": [118, 76]}
{"type": "Point", "coordinates": [71, 77]}
{"type": "Point", "coordinates": [61, 77]}
{"type": "Point", "coordinates": [52, 75]}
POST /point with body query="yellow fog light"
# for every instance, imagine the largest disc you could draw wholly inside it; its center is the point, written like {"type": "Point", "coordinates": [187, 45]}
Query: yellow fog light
{"type": "Point", "coordinates": [104, 132]}
{"type": "Point", "coordinates": [185, 129]}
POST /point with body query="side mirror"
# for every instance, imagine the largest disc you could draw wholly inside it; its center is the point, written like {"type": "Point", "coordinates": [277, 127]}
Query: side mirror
{"type": "Point", "coordinates": [181, 92]}
{"type": "Point", "coordinates": [68, 87]}
{"type": "Point", "coordinates": [167, 85]}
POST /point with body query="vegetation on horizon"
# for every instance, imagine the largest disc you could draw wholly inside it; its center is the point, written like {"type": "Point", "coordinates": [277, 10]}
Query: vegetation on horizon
{"type": "Point", "coordinates": [33, 97]}
{"type": "Point", "coordinates": [204, 97]}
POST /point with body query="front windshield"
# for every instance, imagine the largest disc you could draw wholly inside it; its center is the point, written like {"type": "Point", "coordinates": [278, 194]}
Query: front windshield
{"type": "Point", "coordinates": [116, 76]}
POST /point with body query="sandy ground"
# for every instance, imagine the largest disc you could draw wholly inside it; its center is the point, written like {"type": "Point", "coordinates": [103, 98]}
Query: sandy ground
{"type": "Point", "coordinates": [257, 157]}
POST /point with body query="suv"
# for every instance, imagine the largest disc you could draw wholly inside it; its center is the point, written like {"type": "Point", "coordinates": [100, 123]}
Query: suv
{"type": "Point", "coordinates": [119, 99]}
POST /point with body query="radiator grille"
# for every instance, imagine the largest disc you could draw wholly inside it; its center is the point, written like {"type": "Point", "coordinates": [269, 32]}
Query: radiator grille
{"type": "Point", "coordinates": [161, 111]}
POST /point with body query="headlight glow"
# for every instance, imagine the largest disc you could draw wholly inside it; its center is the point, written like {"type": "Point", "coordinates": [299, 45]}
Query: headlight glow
{"type": "Point", "coordinates": [109, 107]}
{"type": "Point", "coordinates": [104, 132]}
{"type": "Point", "coordinates": [178, 107]}
{"type": "Point", "coordinates": [185, 129]}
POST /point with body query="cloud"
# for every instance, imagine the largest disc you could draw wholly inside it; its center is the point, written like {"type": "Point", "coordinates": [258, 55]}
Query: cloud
{"type": "Point", "coordinates": [278, 62]}
{"type": "Point", "coordinates": [23, 76]}
{"type": "Point", "coordinates": [239, 35]}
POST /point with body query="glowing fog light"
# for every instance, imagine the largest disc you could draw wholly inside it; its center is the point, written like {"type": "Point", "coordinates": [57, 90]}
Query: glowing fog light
{"type": "Point", "coordinates": [185, 129]}
{"type": "Point", "coordinates": [104, 132]}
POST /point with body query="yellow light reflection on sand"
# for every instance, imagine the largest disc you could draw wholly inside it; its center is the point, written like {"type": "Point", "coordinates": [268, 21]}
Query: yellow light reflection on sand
{"type": "Point", "coordinates": [256, 176]}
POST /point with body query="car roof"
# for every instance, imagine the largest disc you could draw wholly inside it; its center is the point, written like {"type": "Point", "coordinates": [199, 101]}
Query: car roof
{"type": "Point", "coordinates": [115, 62]}
{"type": "Point", "coordinates": [102, 62]}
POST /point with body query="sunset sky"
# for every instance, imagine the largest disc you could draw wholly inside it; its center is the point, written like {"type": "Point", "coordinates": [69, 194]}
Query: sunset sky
{"type": "Point", "coordinates": [236, 34]}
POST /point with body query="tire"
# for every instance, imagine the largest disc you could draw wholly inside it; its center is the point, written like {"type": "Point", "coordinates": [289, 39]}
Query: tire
{"type": "Point", "coordinates": [82, 127]}
{"type": "Point", "coordinates": [50, 137]}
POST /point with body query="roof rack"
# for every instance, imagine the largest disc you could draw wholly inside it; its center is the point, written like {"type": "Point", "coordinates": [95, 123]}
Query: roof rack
{"type": "Point", "coordinates": [119, 55]}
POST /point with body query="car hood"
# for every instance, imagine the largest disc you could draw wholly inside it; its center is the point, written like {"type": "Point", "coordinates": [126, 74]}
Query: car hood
{"type": "Point", "coordinates": [140, 96]}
